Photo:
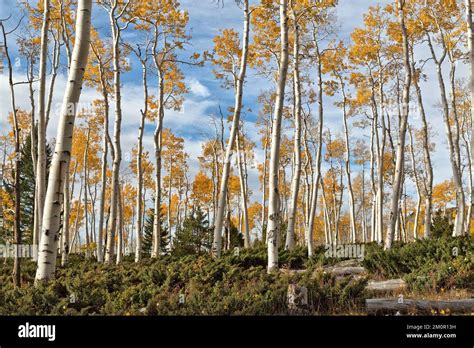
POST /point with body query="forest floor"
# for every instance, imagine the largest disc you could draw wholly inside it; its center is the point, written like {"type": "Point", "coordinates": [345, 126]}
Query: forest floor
{"type": "Point", "coordinates": [431, 269]}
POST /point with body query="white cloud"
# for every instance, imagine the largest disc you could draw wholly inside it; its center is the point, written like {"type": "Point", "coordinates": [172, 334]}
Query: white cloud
{"type": "Point", "coordinates": [198, 89]}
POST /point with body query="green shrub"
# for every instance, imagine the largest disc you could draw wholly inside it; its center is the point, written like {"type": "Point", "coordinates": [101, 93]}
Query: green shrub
{"type": "Point", "coordinates": [432, 263]}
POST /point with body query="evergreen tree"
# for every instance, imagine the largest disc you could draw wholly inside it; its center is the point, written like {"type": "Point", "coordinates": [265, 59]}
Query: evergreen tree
{"type": "Point", "coordinates": [27, 188]}
{"type": "Point", "coordinates": [148, 234]}
{"type": "Point", "coordinates": [194, 237]}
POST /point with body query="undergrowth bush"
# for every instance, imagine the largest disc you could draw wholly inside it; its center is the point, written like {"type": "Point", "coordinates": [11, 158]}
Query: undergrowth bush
{"type": "Point", "coordinates": [231, 285]}
{"type": "Point", "coordinates": [428, 264]}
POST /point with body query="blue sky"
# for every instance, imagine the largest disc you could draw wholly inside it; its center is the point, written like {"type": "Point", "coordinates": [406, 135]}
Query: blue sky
{"type": "Point", "coordinates": [193, 122]}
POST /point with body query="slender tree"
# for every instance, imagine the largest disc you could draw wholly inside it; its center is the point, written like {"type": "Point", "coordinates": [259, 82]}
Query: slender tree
{"type": "Point", "coordinates": [238, 87]}
{"type": "Point", "coordinates": [274, 207]}
{"type": "Point", "coordinates": [54, 195]}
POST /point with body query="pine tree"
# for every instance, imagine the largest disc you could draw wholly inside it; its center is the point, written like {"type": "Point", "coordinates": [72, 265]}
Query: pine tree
{"type": "Point", "coordinates": [27, 188]}
{"type": "Point", "coordinates": [148, 235]}
{"type": "Point", "coordinates": [194, 237]}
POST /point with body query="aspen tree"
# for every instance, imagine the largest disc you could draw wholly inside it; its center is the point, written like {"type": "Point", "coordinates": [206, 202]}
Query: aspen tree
{"type": "Point", "coordinates": [274, 207]}
{"type": "Point", "coordinates": [295, 184]}
{"type": "Point", "coordinates": [239, 85]}
{"type": "Point", "coordinates": [41, 157]}
{"type": "Point", "coordinates": [400, 158]}
{"type": "Point", "coordinates": [115, 11]}
{"type": "Point", "coordinates": [470, 31]}
{"type": "Point", "coordinates": [54, 195]}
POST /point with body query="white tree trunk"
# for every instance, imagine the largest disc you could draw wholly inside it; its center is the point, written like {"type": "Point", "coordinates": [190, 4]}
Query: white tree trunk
{"type": "Point", "coordinates": [428, 185]}
{"type": "Point", "coordinates": [103, 171]}
{"type": "Point", "coordinates": [264, 186]}
{"type": "Point", "coordinates": [400, 160]}
{"type": "Point", "coordinates": [41, 158]}
{"type": "Point", "coordinates": [274, 221]}
{"type": "Point", "coordinates": [221, 205]}
{"type": "Point", "coordinates": [295, 184]}
{"type": "Point", "coordinates": [347, 167]}
{"type": "Point", "coordinates": [117, 157]}
{"type": "Point", "coordinates": [453, 151]}
{"type": "Point", "coordinates": [140, 199]}
{"type": "Point", "coordinates": [470, 41]}
{"type": "Point", "coordinates": [65, 229]}
{"type": "Point", "coordinates": [156, 244]}
{"type": "Point", "coordinates": [417, 184]}
{"type": "Point", "coordinates": [86, 213]}
{"type": "Point", "coordinates": [243, 195]}
{"type": "Point", "coordinates": [57, 174]}
{"type": "Point", "coordinates": [120, 241]}
{"type": "Point", "coordinates": [317, 178]}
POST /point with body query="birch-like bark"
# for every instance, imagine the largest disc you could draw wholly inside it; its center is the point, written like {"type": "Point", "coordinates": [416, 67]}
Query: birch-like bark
{"type": "Point", "coordinates": [86, 180]}
{"type": "Point", "coordinates": [41, 157]}
{"type": "Point", "coordinates": [317, 178]}
{"type": "Point", "coordinates": [117, 157]}
{"type": "Point", "coordinates": [141, 129]}
{"type": "Point", "coordinates": [470, 41]}
{"type": "Point", "coordinates": [105, 150]}
{"type": "Point", "coordinates": [347, 165]}
{"type": "Point", "coordinates": [457, 179]}
{"type": "Point", "coordinates": [66, 227]}
{"type": "Point", "coordinates": [295, 184]}
{"type": "Point", "coordinates": [417, 185]}
{"type": "Point", "coordinates": [428, 184]}
{"type": "Point", "coordinates": [120, 242]}
{"type": "Point", "coordinates": [221, 205]}
{"type": "Point", "coordinates": [274, 221]}
{"type": "Point", "coordinates": [243, 194]}
{"type": "Point", "coordinates": [380, 151]}
{"type": "Point", "coordinates": [400, 161]}
{"type": "Point", "coordinates": [54, 196]}
{"type": "Point", "coordinates": [156, 243]}
{"type": "Point", "coordinates": [264, 185]}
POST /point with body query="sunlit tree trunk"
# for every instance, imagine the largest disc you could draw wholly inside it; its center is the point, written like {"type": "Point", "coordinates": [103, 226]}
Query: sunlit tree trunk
{"type": "Point", "coordinates": [457, 179]}
{"type": "Point", "coordinates": [65, 230]}
{"type": "Point", "coordinates": [264, 185]}
{"type": "Point", "coordinates": [58, 170]}
{"type": "Point", "coordinates": [156, 242]}
{"type": "Point", "coordinates": [243, 194]}
{"type": "Point", "coordinates": [428, 185]}
{"type": "Point", "coordinates": [295, 184]}
{"type": "Point", "coordinates": [117, 157]}
{"type": "Point", "coordinates": [317, 178]}
{"type": "Point", "coordinates": [41, 158]}
{"type": "Point", "coordinates": [347, 166]}
{"type": "Point", "coordinates": [105, 150]}
{"type": "Point", "coordinates": [140, 199]}
{"type": "Point", "coordinates": [470, 41]}
{"type": "Point", "coordinates": [120, 236]}
{"type": "Point", "coordinates": [400, 161]}
{"type": "Point", "coordinates": [373, 216]}
{"type": "Point", "coordinates": [417, 185]}
{"type": "Point", "coordinates": [217, 241]}
{"type": "Point", "coordinates": [85, 166]}
{"type": "Point", "coordinates": [274, 221]}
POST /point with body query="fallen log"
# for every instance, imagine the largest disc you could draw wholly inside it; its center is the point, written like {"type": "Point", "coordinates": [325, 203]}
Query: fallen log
{"type": "Point", "coordinates": [387, 285]}
{"type": "Point", "coordinates": [384, 305]}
